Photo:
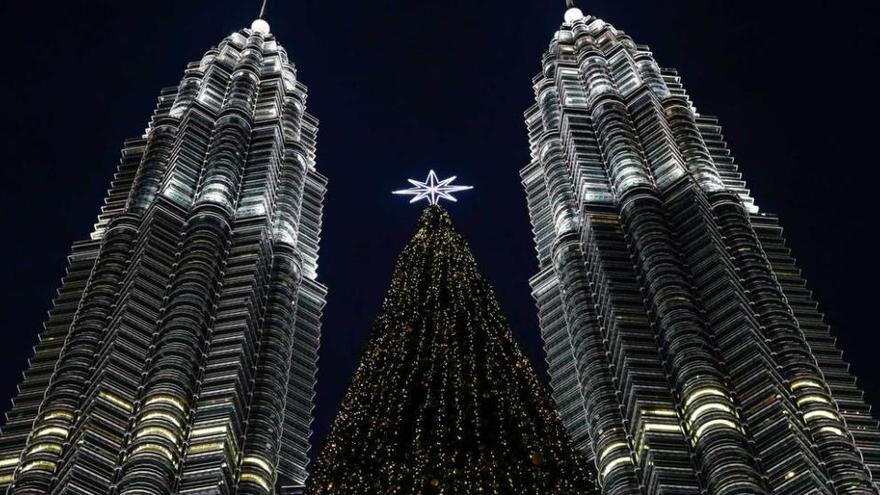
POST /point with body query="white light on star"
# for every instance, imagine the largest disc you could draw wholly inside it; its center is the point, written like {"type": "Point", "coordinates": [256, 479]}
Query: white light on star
{"type": "Point", "coordinates": [433, 189]}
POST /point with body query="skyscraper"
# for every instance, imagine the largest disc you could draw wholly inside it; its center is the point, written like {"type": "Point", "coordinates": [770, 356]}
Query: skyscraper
{"type": "Point", "coordinates": [180, 354]}
{"type": "Point", "coordinates": [686, 354]}
{"type": "Point", "coordinates": [443, 400]}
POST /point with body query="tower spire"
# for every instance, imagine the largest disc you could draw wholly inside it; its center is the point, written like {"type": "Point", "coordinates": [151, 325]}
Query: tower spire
{"type": "Point", "coordinates": [260, 25]}
{"type": "Point", "coordinates": [572, 13]}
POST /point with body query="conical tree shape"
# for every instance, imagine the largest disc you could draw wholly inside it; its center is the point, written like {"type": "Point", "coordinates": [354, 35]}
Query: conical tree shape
{"type": "Point", "coordinates": [444, 401]}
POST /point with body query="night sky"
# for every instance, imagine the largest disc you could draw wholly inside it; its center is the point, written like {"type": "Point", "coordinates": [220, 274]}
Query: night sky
{"type": "Point", "coordinates": [401, 87]}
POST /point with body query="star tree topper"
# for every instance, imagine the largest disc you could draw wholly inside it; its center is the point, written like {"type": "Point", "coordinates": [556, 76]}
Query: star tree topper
{"type": "Point", "coordinates": [433, 189]}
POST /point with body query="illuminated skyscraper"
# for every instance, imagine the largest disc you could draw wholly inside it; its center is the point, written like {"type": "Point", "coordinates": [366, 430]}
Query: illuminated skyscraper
{"type": "Point", "coordinates": [180, 354]}
{"type": "Point", "coordinates": [686, 354]}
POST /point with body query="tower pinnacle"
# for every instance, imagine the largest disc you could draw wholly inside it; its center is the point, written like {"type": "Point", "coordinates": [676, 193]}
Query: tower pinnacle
{"type": "Point", "coordinates": [260, 25]}
{"type": "Point", "coordinates": [572, 13]}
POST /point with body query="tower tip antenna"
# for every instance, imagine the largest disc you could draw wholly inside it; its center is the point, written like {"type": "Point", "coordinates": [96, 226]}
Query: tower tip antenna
{"type": "Point", "coordinates": [260, 25]}
{"type": "Point", "coordinates": [569, 4]}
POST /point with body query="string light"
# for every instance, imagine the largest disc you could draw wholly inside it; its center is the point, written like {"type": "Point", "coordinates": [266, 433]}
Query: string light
{"type": "Point", "coordinates": [443, 400]}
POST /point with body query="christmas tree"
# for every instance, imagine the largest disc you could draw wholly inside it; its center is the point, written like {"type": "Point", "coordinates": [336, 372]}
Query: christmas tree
{"type": "Point", "coordinates": [444, 401]}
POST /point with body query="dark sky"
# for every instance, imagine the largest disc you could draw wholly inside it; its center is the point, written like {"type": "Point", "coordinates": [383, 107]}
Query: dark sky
{"type": "Point", "coordinates": [401, 87]}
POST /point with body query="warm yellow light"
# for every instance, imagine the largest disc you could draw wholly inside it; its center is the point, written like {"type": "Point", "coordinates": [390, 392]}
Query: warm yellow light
{"type": "Point", "coordinates": [45, 447]}
{"type": "Point", "coordinates": [715, 423]}
{"type": "Point", "coordinates": [58, 415]}
{"type": "Point", "coordinates": [614, 446]}
{"type": "Point", "coordinates": [259, 461]}
{"type": "Point", "coordinates": [613, 464]}
{"type": "Point", "coordinates": [166, 399]}
{"type": "Point", "coordinates": [257, 479]}
{"type": "Point", "coordinates": [662, 427]}
{"type": "Point", "coordinates": [158, 431]}
{"type": "Point", "coordinates": [812, 398]}
{"type": "Point", "coordinates": [661, 412]}
{"type": "Point", "coordinates": [799, 384]}
{"type": "Point", "coordinates": [116, 401]}
{"type": "Point", "coordinates": [153, 448]}
{"type": "Point", "coordinates": [652, 427]}
{"type": "Point", "coordinates": [604, 219]}
{"type": "Point", "coordinates": [703, 392]}
{"type": "Point", "coordinates": [52, 430]}
{"type": "Point", "coordinates": [812, 415]}
{"type": "Point", "coordinates": [833, 430]}
{"type": "Point", "coordinates": [211, 430]}
{"type": "Point", "coordinates": [712, 406]}
{"type": "Point", "coordinates": [206, 447]}
{"type": "Point", "coordinates": [48, 466]}
{"type": "Point", "coordinates": [163, 416]}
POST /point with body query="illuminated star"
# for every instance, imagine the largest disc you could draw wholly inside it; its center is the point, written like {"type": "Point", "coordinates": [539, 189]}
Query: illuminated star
{"type": "Point", "coordinates": [433, 189]}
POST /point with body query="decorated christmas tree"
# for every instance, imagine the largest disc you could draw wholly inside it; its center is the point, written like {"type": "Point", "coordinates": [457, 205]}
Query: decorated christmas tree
{"type": "Point", "coordinates": [443, 400]}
